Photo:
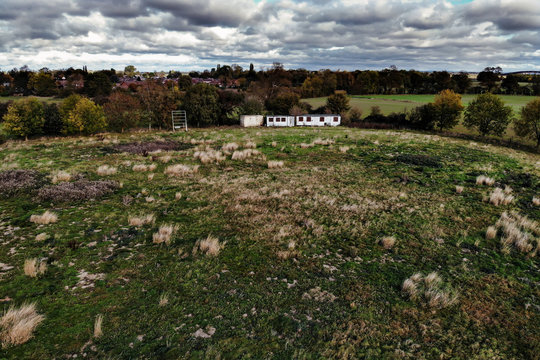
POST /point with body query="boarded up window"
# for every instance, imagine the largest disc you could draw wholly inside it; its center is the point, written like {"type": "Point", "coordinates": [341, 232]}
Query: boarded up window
{"type": "Point", "coordinates": [322, 119]}
{"type": "Point", "coordinates": [335, 119]}
{"type": "Point", "coordinates": [309, 118]}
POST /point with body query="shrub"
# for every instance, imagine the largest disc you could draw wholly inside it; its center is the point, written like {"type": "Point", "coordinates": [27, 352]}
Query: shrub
{"type": "Point", "coordinates": [24, 118]}
{"type": "Point", "coordinates": [252, 106]}
{"type": "Point", "coordinates": [528, 125]}
{"type": "Point", "coordinates": [488, 114]}
{"type": "Point", "coordinates": [355, 114]}
{"type": "Point", "coordinates": [422, 117]}
{"type": "Point", "coordinates": [4, 106]}
{"type": "Point", "coordinates": [85, 118]}
{"type": "Point", "coordinates": [77, 191]}
{"type": "Point", "coordinates": [16, 181]}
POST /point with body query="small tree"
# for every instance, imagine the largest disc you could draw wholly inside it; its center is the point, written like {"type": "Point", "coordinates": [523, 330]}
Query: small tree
{"type": "Point", "coordinates": [338, 103]}
{"type": "Point", "coordinates": [528, 125]}
{"type": "Point", "coordinates": [201, 104]}
{"type": "Point", "coordinates": [488, 114]}
{"type": "Point", "coordinates": [448, 109]}
{"type": "Point", "coordinates": [53, 121]}
{"type": "Point", "coordinates": [24, 118]}
{"type": "Point", "coordinates": [123, 111]}
{"type": "Point", "coordinates": [423, 117]}
{"type": "Point", "coordinates": [85, 118]}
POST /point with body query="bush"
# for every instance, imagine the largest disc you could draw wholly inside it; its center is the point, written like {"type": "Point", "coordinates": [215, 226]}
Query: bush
{"type": "Point", "coordinates": [77, 191]}
{"type": "Point", "coordinates": [253, 106]}
{"type": "Point", "coordinates": [53, 121]}
{"type": "Point", "coordinates": [24, 118]}
{"type": "Point", "coordinates": [282, 103]}
{"type": "Point", "coordinates": [488, 114]}
{"type": "Point", "coordinates": [86, 118]}
{"type": "Point", "coordinates": [123, 111]}
{"type": "Point", "coordinates": [355, 114]}
{"type": "Point", "coordinates": [423, 117]}
{"type": "Point", "coordinates": [528, 125]}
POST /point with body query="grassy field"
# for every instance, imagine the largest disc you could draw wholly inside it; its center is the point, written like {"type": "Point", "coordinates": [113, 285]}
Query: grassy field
{"type": "Point", "coordinates": [398, 103]}
{"type": "Point", "coordinates": [4, 99]}
{"type": "Point", "coordinates": [305, 247]}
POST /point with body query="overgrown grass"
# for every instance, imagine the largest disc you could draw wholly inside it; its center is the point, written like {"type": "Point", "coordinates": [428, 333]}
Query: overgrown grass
{"type": "Point", "coordinates": [239, 259]}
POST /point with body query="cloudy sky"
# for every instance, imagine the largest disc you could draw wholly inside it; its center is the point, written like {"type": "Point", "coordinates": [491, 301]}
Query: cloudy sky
{"type": "Point", "coordinates": [314, 34]}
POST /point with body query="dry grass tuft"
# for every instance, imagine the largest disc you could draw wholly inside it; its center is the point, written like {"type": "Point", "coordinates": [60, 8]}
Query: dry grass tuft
{"type": "Point", "coordinates": [181, 170]}
{"type": "Point", "coordinates": [141, 220]}
{"type": "Point", "coordinates": [165, 159]}
{"type": "Point", "coordinates": [388, 242]}
{"type": "Point", "coordinates": [151, 176]}
{"type": "Point", "coordinates": [230, 147]}
{"type": "Point", "coordinates": [250, 145]}
{"type": "Point", "coordinates": [164, 234]}
{"type": "Point", "coordinates": [536, 201]}
{"type": "Point", "coordinates": [319, 295]}
{"type": "Point", "coordinates": [344, 149]}
{"type": "Point", "coordinates": [245, 154]}
{"type": "Point", "coordinates": [324, 142]}
{"type": "Point", "coordinates": [430, 290]}
{"type": "Point", "coordinates": [491, 232]}
{"type": "Point", "coordinates": [48, 217]}
{"type": "Point", "coordinates": [140, 167]}
{"type": "Point", "coordinates": [163, 300]}
{"type": "Point", "coordinates": [210, 246]}
{"type": "Point", "coordinates": [33, 269]}
{"type": "Point", "coordinates": [499, 197]}
{"type": "Point", "coordinates": [178, 196]}
{"type": "Point", "coordinates": [275, 164]}
{"type": "Point", "coordinates": [305, 146]}
{"type": "Point", "coordinates": [520, 232]}
{"type": "Point", "coordinates": [274, 144]}
{"type": "Point", "coordinates": [105, 170]}
{"type": "Point", "coordinates": [484, 180]}
{"type": "Point", "coordinates": [98, 331]}
{"type": "Point", "coordinates": [209, 155]}
{"type": "Point", "coordinates": [42, 237]}
{"type": "Point", "coordinates": [17, 325]}
{"type": "Point", "coordinates": [61, 176]}
{"type": "Point", "coordinates": [459, 189]}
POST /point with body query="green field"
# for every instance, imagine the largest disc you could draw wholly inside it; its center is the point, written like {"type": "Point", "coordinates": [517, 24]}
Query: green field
{"type": "Point", "coordinates": [314, 251]}
{"type": "Point", "coordinates": [4, 99]}
{"type": "Point", "coordinates": [398, 103]}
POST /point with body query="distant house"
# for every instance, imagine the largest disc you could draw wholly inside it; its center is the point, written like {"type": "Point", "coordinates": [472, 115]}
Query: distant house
{"type": "Point", "coordinates": [304, 120]}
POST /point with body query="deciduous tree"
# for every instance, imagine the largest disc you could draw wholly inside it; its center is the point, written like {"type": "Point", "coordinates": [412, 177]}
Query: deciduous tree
{"type": "Point", "coordinates": [488, 114]}
{"type": "Point", "coordinates": [528, 125]}
{"type": "Point", "coordinates": [24, 118]}
{"type": "Point", "coordinates": [448, 109]}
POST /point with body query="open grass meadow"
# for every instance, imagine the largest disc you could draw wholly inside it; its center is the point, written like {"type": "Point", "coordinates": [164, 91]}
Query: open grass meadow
{"type": "Point", "coordinates": [262, 243]}
{"type": "Point", "coordinates": [398, 103]}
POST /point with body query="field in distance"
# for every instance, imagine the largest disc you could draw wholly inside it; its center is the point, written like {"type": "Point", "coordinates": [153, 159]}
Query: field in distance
{"type": "Point", "coordinates": [398, 103]}
{"type": "Point", "coordinates": [269, 243]}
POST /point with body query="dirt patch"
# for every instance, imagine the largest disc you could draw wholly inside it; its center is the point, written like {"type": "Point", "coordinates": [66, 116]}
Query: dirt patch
{"type": "Point", "coordinates": [76, 191]}
{"type": "Point", "coordinates": [143, 148]}
{"type": "Point", "coordinates": [15, 181]}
